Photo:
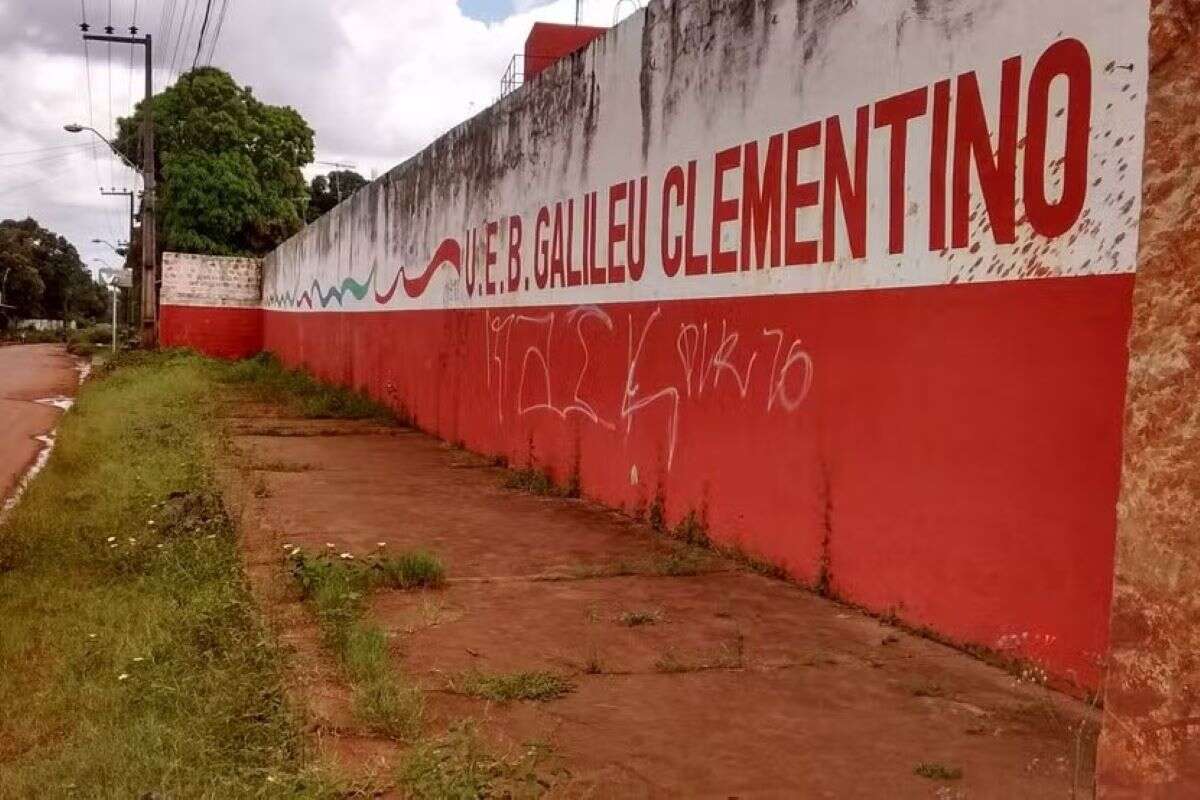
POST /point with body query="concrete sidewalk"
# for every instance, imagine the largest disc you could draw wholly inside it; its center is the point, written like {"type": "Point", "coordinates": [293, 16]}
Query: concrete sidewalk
{"type": "Point", "coordinates": [737, 685]}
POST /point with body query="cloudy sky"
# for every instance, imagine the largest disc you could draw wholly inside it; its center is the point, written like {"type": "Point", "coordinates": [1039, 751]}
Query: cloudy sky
{"type": "Point", "coordinates": [376, 79]}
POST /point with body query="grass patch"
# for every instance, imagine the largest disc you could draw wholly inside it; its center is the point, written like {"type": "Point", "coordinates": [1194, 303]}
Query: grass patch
{"type": "Point", "coordinates": [459, 765]}
{"type": "Point", "coordinates": [539, 482]}
{"type": "Point", "coordinates": [133, 662]}
{"type": "Point", "coordinates": [636, 619]}
{"type": "Point", "coordinates": [513, 686]}
{"type": "Point", "coordinates": [269, 381]}
{"type": "Point", "coordinates": [337, 587]}
{"type": "Point", "coordinates": [938, 772]}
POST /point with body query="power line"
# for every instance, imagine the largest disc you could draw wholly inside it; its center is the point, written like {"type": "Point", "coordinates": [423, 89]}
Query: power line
{"type": "Point", "coordinates": [41, 160]}
{"type": "Point", "coordinates": [184, 33]}
{"type": "Point", "coordinates": [165, 20]}
{"type": "Point", "coordinates": [87, 66]}
{"type": "Point", "coordinates": [203, 28]}
{"type": "Point", "coordinates": [36, 150]}
{"type": "Point", "coordinates": [212, 48]}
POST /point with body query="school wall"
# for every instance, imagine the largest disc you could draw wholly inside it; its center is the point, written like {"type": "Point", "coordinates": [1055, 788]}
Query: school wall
{"type": "Point", "coordinates": [848, 282]}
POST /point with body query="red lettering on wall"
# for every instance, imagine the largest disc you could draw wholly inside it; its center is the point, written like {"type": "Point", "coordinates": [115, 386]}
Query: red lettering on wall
{"type": "Point", "coordinates": [672, 246]}
{"type": "Point", "coordinates": [799, 195]}
{"type": "Point", "coordinates": [997, 170]}
{"type": "Point", "coordinates": [541, 258]}
{"type": "Point", "coordinates": [896, 112]}
{"type": "Point", "coordinates": [489, 254]}
{"type": "Point", "coordinates": [636, 241]}
{"type": "Point", "coordinates": [723, 210]}
{"type": "Point", "coordinates": [852, 189]}
{"type": "Point", "coordinates": [939, 146]}
{"type": "Point", "coordinates": [1068, 58]}
{"type": "Point", "coordinates": [594, 273]}
{"type": "Point", "coordinates": [514, 252]}
{"type": "Point", "coordinates": [616, 231]}
{"type": "Point", "coordinates": [693, 263]}
{"type": "Point", "coordinates": [557, 273]}
{"type": "Point", "coordinates": [762, 203]}
{"type": "Point", "coordinates": [574, 275]}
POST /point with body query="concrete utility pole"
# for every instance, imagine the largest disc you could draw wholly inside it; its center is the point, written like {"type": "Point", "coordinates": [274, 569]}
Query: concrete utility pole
{"type": "Point", "coordinates": [149, 230]}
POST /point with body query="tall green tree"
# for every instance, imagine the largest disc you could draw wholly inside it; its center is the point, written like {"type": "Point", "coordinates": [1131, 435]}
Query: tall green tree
{"type": "Point", "coordinates": [326, 191]}
{"type": "Point", "coordinates": [42, 276]}
{"type": "Point", "coordinates": [228, 165]}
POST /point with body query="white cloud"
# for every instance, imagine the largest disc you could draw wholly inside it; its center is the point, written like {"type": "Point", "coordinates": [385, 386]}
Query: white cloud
{"type": "Point", "coordinates": [376, 79]}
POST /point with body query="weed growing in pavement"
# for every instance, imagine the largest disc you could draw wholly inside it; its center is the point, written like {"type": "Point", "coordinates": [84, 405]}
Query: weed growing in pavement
{"type": "Point", "coordinates": [338, 585]}
{"type": "Point", "coordinates": [938, 772]}
{"type": "Point", "coordinates": [458, 765]}
{"type": "Point", "coordinates": [539, 482]}
{"type": "Point", "coordinates": [634, 619]}
{"type": "Point", "coordinates": [505, 688]}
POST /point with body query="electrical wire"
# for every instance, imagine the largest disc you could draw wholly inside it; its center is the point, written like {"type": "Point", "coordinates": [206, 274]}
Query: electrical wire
{"type": "Point", "coordinates": [184, 33]}
{"type": "Point", "coordinates": [212, 48]}
{"type": "Point", "coordinates": [165, 20]}
{"type": "Point", "coordinates": [36, 150]}
{"type": "Point", "coordinates": [203, 28]}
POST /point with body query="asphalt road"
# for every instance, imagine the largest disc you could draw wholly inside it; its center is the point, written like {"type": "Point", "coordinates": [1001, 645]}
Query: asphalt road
{"type": "Point", "coordinates": [29, 373]}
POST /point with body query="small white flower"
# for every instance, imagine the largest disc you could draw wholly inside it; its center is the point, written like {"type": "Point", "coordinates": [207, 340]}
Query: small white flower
{"type": "Point", "coordinates": [111, 539]}
{"type": "Point", "coordinates": [296, 551]}
{"type": "Point", "coordinates": [112, 547]}
{"type": "Point", "coordinates": [287, 547]}
{"type": "Point", "coordinates": [381, 544]}
{"type": "Point", "coordinates": [139, 658]}
{"type": "Point", "coordinates": [123, 676]}
{"type": "Point", "coordinates": [132, 540]}
{"type": "Point", "coordinates": [91, 636]}
{"type": "Point", "coordinates": [346, 556]}
{"type": "Point", "coordinates": [160, 547]}
{"type": "Point", "coordinates": [329, 545]}
{"type": "Point", "coordinates": [150, 522]}
{"type": "Point", "coordinates": [211, 536]}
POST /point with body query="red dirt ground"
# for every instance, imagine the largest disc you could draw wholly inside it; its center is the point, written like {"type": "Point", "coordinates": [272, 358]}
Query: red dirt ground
{"type": "Point", "coordinates": [745, 686]}
{"type": "Point", "coordinates": [27, 373]}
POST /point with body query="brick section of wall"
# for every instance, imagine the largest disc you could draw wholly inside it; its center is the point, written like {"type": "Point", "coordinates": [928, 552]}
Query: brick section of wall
{"type": "Point", "coordinates": [191, 280]}
{"type": "Point", "coordinates": [1150, 747]}
{"type": "Point", "coordinates": [211, 304]}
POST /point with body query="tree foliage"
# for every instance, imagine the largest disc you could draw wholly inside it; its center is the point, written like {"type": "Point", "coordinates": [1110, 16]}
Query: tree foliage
{"type": "Point", "coordinates": [326, 191]}
{"type": "Point", "coordinates": [228, 165]}
{"type": "Point", "coordinates": [42, 276]}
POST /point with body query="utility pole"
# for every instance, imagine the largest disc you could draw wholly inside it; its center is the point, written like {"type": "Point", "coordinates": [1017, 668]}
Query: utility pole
{"type": "Point", "coordinates": [132, 194]}
{"type": "Point", "coordinates": [149, 231]}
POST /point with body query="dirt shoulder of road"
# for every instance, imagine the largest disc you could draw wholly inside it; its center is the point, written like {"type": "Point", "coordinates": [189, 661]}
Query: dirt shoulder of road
{"type": "Point", "coordinates": [574, 652]}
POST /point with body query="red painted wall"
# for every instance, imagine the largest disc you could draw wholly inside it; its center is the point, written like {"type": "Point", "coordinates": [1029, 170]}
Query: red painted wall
{"type": "Point", "coordinates": [548, 43]}
{"type": "Point", "coordinates": [218, 332]}
{"type": "Point", "coordinates": [951, 453]}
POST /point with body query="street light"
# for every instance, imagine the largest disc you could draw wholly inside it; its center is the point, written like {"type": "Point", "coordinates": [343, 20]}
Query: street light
{"type": "Point", "coordinates": [77, 128]}
{"type": "Point", "coordinates": [119, 248]}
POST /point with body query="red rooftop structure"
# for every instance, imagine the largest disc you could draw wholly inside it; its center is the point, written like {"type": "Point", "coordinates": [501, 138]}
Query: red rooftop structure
{"type": "Point", "coordinates": [549, 43]}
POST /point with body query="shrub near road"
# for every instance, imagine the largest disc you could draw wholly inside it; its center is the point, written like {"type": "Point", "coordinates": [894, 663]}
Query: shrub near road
{"type": "Point", "coordinates": [132, 660]}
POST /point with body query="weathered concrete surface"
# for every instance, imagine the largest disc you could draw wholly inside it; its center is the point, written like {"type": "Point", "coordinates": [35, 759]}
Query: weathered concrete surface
{"type": "Point", "coordinates": [29, 373]}
{"type": "Point", "coordinates": [1151, 741]}
{"type": "Point", "coordinates": [774, 691]}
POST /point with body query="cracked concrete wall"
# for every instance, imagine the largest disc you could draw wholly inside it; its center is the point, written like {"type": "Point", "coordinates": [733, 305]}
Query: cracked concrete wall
{"type": "Point", "coordinates": [1150, 746]}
